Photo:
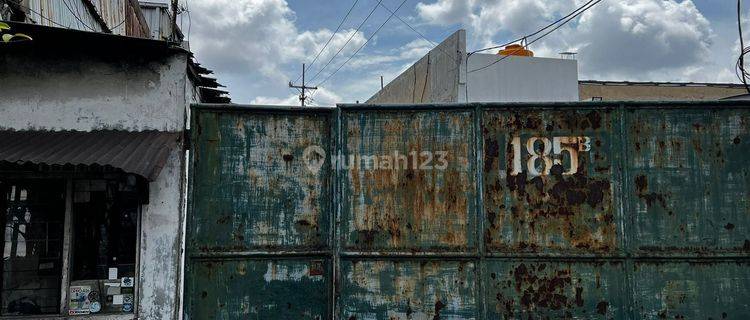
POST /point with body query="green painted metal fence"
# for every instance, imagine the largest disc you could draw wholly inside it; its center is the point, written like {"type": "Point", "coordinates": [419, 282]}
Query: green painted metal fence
{"type": "Point", "coordinates": [481, 211]}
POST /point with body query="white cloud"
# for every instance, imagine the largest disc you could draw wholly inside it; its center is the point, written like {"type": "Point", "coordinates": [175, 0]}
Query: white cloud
{"type": "Point", "coordinates": [487, 18]}
{"type": "Point", "coordinates": [446, 12]}
{"type": "Point", "coordinates": [291, 100]}
{"type": "Point", "coordinates": [617, 39]}
{"type": "Point", "coordinates": [255, 39]}
{"type": "Point", "coordinates": [411, 52]}
{"type": "Point", "coordinates": [320, 97]}
{"type": "Point", "coordinates": [650, 37]}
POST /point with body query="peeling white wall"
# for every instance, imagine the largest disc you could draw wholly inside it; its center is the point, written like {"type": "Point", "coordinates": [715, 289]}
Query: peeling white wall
{"type": "Point", "coordinates": [160, 244]}
{"type": "Point", "coordinates": [88, 94]}
{"type": "Point", "coordinates": [73, 92]}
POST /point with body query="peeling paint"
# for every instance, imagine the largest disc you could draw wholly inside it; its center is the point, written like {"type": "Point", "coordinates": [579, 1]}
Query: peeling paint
{"type": "Point", "coordinates": [569, 208]}
{"type": "Point", "coordinates": [254, 190]}
{"type": "Point", "coordinates": [412, 208]}
{"type": "Point", "coordinates": [611, 211]}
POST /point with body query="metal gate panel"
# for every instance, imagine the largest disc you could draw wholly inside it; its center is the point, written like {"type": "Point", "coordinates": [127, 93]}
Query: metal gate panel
{"type": "Point", "coordinates": [573, 211]}
{"type": "Point", "coordinates": [688, 183]}
{"type": "Point", "coordinates": [412, 205]}
{"type": "Point", "coordinates": [253, 188]}
{"type": "Point", "coordinates": [408, 289]}
{"type": "Point", "coordinates": [259, 228]}
{"type": "Point", "coordinates": [555, 289]}
{"type": "Point", "coordinates": [692, 289]}
{"type": "Point", "coordinates": [549, 178]}
{"type": "Point", "coordinates": [260, 289]}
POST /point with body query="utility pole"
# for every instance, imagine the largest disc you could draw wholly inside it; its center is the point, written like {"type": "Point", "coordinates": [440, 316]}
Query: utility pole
{"type": "Point", "coordinates": [303, 87]}
{"type": "Point", "coordinates": [174, 20]}
{"type": "Point", "coordinates": [381, 82]}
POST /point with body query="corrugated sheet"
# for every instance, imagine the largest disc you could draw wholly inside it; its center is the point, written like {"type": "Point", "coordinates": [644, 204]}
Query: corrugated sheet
{"type": "Point", "coordinates": [142, 153]}
{"type": "Point", "coordinates": [113, 13]}
{"type": "Point", "coordinates": [71, 14]}
{"type": "Point", "coordinates": [135, 23]}
{"type": "Point", "coordinates": [158, 19]}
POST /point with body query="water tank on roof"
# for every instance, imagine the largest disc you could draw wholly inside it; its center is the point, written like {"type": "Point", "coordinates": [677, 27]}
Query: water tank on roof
{"type": "Point", "coordinates": [516, 50]}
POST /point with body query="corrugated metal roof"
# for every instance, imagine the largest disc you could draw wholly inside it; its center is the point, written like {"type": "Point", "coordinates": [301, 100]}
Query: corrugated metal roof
{"type": "Point", "coordinates": [662, 84]}
{"type": "Point", "coordinates": [142, 153]}
{"type": "Point", "coordinates": [49, 39]}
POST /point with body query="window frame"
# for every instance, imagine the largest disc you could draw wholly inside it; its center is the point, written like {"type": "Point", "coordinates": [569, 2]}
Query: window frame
{"type": "Point", "coordinates": [68, 241]}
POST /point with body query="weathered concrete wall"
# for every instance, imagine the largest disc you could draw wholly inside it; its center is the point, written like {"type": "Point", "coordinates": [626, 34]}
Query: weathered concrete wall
{"type": "Point", "coordinates": [521, 79]}
{"type": "Point", "coordinates": [80, 92]}
{"type": "Point", "coordinates": [90, 93]}
{"type": "Point", "coordinates": [434, 78]}
{"type": "Point", "coordinates": [656, 92]}
{"type": "Point", "coordinates": [160, 243]}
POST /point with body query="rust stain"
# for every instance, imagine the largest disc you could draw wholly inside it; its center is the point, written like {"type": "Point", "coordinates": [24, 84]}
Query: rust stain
{"type": "Point", "coordinates": [641, 182]}
{"type": "Point", "coordinates": [601, 307]}
{"type": "Point", "coordinates": [406, 205]}
{"type": "Point", "coordinates": [547, 212]}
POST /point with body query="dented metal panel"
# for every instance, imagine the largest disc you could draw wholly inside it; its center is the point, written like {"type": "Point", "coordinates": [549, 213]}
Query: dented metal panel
{"type": "Point", "coordinates": [549, 178]}
{"type": "Point", "coordinates": [259, 289]}
{"type": "Point", "coordinates": [553, 289]}
{"type": "Point", "coordinates": [551, 211]}
{"type": "Point", "coordinates": [408, 181]}
{"type": "Point", "coordinates": [688, 183]}
{"type": "Point", "coordinates": [404, 289]}
{"type": "Point", "coordinates": [691, 289]}
{"type": "Point", "coordinates": [253, 190]}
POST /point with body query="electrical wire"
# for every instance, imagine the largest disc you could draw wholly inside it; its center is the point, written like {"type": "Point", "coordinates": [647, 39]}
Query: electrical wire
{"type": "Point", "coordinates": [570, 17]}
{"type": "Point", "coordinates": [347, 40]}
{"type": "Point", "coordinates": [65, 2]}
{"type": "Point", "coordinates": [48, 19]}
{"type": "Point", "coordinates": [538, 31]}
{"type": "Point", "coordinates": [40, 15]}
{"type": "Point", "coordinates": [190, 20]}
{"type": "Point", "coordinates": [331, 38]}
{"type": "Point", "coordinates": [364, 44]}
{"type": "Point", "coordinates": [739, 70]}
{"type": "Point", "coordinates": [117, 25]}
{"type": "Point", "coordinates": [435, 45]}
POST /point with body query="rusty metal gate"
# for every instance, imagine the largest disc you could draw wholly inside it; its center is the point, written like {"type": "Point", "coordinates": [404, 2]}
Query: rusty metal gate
{"type": "Point", "coordinates": [480, 211]}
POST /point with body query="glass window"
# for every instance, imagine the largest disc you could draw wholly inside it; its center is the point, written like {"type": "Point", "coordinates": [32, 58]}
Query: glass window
{"type": "Point", "coordinates": [32, 213]}
{"type": "Point", "coordinates": [105, 229]}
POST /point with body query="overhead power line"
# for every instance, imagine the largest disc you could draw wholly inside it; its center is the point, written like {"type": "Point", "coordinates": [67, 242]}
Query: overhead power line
{"type": "Point", "coordinates": [331, 38]}
{"type": "Point", "coordinates": [558, 24]}
{"type": "Point", "coordinates": [347, 41]}
{"type": "Point", "coordinates": [742, 74]}
{"type": "Point", "coordinates": [435, 45]}
{"type": "Point", "coordinates": [408, 25]}
{"type": "Point", "coordinates": [538, 31]}
{"type": "Point", "coordinates": [77, 15]}
{"type": "Point", "coordinates": [364, 44]}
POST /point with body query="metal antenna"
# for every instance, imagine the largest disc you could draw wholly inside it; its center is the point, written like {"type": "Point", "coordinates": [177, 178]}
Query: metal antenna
{"type": "Point", "coordinates": [302, 96]}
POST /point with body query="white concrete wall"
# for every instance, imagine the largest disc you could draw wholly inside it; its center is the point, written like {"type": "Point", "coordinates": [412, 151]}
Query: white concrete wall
{"type": "Point", "coordinates": [54, 92]}
{"type": "Point", "coordinates": [434, 78]}
{"type": "Point", "coordinates": [88, 95]}
{"type": "Point", "coordinates": [160, 255]}
{"type": "Point", "coordinates": [521, 79]}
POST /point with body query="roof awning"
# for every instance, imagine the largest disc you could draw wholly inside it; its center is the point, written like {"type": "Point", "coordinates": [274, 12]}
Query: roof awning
{"type": "Point", "coordinates": [142, 153]}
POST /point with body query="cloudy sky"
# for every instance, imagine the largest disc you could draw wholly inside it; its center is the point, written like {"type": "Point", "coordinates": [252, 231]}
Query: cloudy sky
{"type": "Point", "coordinates": [257, 46]}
